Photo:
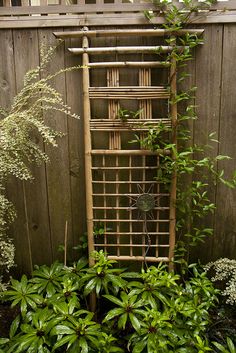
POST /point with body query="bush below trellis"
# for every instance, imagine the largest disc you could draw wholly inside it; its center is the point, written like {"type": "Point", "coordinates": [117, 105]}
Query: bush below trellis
{"type": "Point", "coordinates": [151, 311]}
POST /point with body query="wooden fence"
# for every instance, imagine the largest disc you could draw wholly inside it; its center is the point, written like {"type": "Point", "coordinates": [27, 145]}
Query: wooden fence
{"type": "Point", "coordinates": [57, 194]}
{"type": "Point", "coordinates": [55, 13]}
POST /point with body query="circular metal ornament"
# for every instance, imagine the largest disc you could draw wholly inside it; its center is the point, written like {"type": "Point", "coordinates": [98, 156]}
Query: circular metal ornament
{"type": "Point", "coordinates": [145, 202]}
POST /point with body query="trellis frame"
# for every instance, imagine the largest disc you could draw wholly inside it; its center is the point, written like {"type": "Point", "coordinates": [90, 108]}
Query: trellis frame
{"type": "Point", "coordinates": [113, 93]}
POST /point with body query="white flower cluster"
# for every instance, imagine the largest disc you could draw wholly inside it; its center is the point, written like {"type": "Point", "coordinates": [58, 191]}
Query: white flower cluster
{"type": "Point", "coordinates": [225, 270]}
{"type": "Point", "coordinates": [7, 251]}
{"type": "Point", "coordinates": [20, 128]}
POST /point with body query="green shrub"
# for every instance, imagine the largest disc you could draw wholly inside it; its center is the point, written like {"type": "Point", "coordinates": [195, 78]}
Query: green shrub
{"type": "Point", "coordinates": [151, 311]}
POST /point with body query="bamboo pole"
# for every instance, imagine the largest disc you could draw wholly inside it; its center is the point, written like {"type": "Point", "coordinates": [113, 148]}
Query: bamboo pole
{"type": "Point", "coordinates": [126, 32]}
{"type": "Point", "coordinates": [133, 245]}
{"type": "Point", "coordinates": [139, 233]}
{"type": "Point", "coordinates": [87, 143]}
{"type": "Point", "coordinates": [174, 115]}
{"type": "Point", "coordinates": [131, 232]}
{"type": "Point", "coordinates": [130, 152]}
{"type": "Point", "coordinates": [133, 220]}
{"type": "Point", "coordinates": [65, 243]}
{"type": "Point", "coordinates": [125, 50]}
{"type": "Point", "coordinates": [117, 64]}
{"type": "Point", "coordinates": [138, 258]}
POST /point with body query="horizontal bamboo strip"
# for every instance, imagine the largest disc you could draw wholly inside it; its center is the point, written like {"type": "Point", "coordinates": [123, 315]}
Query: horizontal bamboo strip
{"type": "Point", "coordinates": [126, 195]}
{"type": "Point", "coordinates": [128, 89]}
{"type": "Point", "coordinates": [126, 32]}
{"type": "Point", "coordinates": [125, 208]}
{"type": "Point", "coordinates": [121, 128]}
{"type": "Point", "coordinates": [126, 50]}
{"type": "Point", "coordinates": [137, 233]}
{"type": "Point", "coordinates": [138, 258]}
{"type": "Point", "coordinates": [133, 245]}
{"type": "Point", "coordinates": [123, 168]}
{"type": "Point", "coordinates": [149, 64]}
{"type": "Point", "coordinates": [125, 182]}
{"type": "Point", "coordinates": [129, 92]}
{"type": "Point", "coordinates": [127, 125]}
{"type": "Point", "coordinates": [107, 122]}
{"type": "Point", "coordinates": [125, 96]}
{"type": "Point", "coordinates": [101, 220]}
{"type": "Point", "coordinates": [130, 152]}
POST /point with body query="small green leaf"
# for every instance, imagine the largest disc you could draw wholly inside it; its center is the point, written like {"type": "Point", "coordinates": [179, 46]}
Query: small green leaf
{"type": "Point", "coordinates": [122, 321]}
{"type": "Point", "coordinates": [134, 321]}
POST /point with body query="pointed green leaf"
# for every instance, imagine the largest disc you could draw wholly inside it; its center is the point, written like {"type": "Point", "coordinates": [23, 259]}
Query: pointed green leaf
{"type": "Point", "coordinates": [139, 347]}
{"type": "Point", "coordinates": [114, 300]}
{"type": "Point", "coordinates": [122, 321]}
{"type": "Point", "coordinates": [113, 313]}
{"type": "Point", "coordinates": [83, 344]}
{"type": "Point", "coordinates": [134, 321]}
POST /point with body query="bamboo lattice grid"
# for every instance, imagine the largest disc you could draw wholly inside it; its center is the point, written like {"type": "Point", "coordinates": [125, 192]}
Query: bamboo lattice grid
{"type": "Point", "coordinates": [121, 179]}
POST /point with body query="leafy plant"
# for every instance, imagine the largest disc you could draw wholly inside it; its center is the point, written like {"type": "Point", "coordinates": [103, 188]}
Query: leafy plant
{"type": "Point", "coordinates": [153, 310]}
{"type": "Point", "coordinates": [23, 119]}
{"type": "Point", "coordinates": [78, 333]}
{"type": "Point", "coordinates": [230, 348]}
{"type": "Point", "coordinates": [192, 202]}
{"type": "Point", "coordinates": [22, 293]}
{"type": "Point", "coordinates": [48, 279]}
{"type": "Point", "coordinates": [128, 308]}
{"type": "Point", "coordinates": [102, 277]}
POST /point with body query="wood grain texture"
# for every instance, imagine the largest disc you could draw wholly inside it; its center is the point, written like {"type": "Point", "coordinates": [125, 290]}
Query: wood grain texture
{"type": "Point", "coordinates": [225, 220]}
{"type": "Point", "coordinates": [15, 189]}
{"type": "Point", "coordinates": [208, 97]}
{"type": "Point", "coordinates": [76, 144]}
{"type": "Point", "coordinates": [36, 197]}
{"type": "Point", "coordinates": [58, 170]}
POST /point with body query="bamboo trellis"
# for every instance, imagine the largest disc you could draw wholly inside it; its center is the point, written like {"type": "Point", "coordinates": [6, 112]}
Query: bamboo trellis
{"type": "Point", "coordinates": [122, 180]}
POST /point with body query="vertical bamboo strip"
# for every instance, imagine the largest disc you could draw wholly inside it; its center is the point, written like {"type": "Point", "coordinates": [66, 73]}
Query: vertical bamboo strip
{"type": "Point", "coordinates": [143, 215]}
{"type": "Point", "coordinates": [113, 108]}
{"type": "Point", "coordinates": [130, 213]}
{"type": "Point", "coordinates": [117, 205]}
{"type": "Point", "coordinates": [145, 105]}
{"type": "Point", "coordinates": [158, 212]}
{"type": "Point", "coordinates": [104, 198]}
{"type": "Point", "coordinates": [87, 146]}
{"type": "Point", "coordinates": [173, 114]}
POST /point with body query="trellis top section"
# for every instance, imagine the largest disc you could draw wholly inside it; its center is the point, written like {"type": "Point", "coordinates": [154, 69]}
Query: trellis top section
{"type": "Point", "coordinates": [55, 13]}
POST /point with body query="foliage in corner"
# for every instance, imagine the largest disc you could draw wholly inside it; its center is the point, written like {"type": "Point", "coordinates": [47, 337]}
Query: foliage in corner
{"type": "Point", "coordinates": [194, 168]}
{"type": "Point", "coordinates": [18, 149]}
{"type": "Point", "coordinates": [149, 311]}
{"type": "Point", "coordinates": [225, 272]}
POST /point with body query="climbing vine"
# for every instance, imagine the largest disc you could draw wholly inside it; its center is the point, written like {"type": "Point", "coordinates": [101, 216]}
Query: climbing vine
{"type": "Point", "coordinates": [194, 168]}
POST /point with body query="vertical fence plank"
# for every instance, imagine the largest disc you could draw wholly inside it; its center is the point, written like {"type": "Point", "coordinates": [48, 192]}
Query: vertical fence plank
{"type": "Point", "coordinates": [58, 170]}
{"type": "Point", "coordinates": [225, 238]}
{"type": "Point", "coordinates": [76, 143]}
{"type": "Point", "coordinates": [36, 192]}
{"type": "Point", "coordinates": [208, 81]}
{"type": "Point", "coordinates": [19, 228]}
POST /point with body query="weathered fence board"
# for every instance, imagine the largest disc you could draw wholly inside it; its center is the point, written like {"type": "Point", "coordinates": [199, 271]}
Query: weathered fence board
{"type": "Point", "coordinates": [225, 217]}
{"type": "Point", "coordinates": [17, 192]}
{"type": "Point", "coordinates": [208, 96]}
{"type": "Point", "coordinates": [57, 194]}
